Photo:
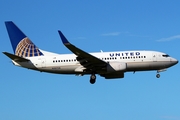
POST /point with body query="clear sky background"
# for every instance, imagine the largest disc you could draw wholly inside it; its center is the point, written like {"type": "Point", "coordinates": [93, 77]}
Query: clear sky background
{"type": "Point", "coordinates": [92, 26]}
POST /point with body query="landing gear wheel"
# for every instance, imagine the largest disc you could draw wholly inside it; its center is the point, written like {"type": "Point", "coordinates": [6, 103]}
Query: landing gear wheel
{"type": "Point", "coordinates": [158, 75]}
{"type": "Point", "coordinates": [93, 79]}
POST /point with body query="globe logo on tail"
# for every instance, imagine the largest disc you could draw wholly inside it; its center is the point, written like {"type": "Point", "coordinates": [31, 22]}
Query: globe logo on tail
{"type": "Point", "coordinates": [26, 48]}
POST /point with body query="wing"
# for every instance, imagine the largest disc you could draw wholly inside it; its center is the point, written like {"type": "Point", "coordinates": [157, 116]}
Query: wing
{"type": "Point", "coordinates": [87, 60]}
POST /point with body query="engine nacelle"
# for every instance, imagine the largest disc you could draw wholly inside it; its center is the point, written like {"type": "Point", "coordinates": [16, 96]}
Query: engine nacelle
{"type": "Point", "coordinates": [116, 66]}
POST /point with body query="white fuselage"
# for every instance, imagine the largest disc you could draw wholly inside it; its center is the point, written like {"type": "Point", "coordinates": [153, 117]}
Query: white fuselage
{"type": "Point", "coordinates": [68, 64]}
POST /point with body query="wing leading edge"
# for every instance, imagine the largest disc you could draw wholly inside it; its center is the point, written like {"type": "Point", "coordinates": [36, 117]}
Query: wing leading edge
{"type": "Point", "coordinates": [87, 60]}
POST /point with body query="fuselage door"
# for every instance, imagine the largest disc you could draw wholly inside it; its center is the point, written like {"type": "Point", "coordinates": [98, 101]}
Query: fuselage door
{"type": "Point", "coordinates": [154, 57]}
{"type": "Point", "coordinates": [43, 62]}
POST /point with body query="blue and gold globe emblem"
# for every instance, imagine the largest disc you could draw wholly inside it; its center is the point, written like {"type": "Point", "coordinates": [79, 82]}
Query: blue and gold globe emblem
{"type": "Point", "coordinates": [26, 48]}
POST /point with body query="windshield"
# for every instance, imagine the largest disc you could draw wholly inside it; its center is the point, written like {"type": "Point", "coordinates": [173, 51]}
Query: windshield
{"type": "Point", "coordinates": [166, 55]}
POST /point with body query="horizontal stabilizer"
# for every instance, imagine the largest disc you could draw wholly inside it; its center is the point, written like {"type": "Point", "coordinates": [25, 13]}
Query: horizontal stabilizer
{"type": "Point", "coordinates": [15, 57]}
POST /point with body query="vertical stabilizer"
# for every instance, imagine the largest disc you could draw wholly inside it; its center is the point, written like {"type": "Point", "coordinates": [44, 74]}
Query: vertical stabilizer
{"type": "Point", "coordinates": [21, 44]}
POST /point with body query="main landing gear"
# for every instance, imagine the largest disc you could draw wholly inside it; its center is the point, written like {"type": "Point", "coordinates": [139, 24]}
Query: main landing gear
{"type": "Point", "coordinates": [93, 79]}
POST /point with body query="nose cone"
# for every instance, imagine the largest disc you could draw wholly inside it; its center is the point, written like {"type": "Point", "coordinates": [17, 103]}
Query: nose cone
{"type": "Point", "coordinates": [174, 61]}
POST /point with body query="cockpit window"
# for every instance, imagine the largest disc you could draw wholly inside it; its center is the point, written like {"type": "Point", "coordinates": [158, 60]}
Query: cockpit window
{"type": "Point", "coordinates": [166, 55]}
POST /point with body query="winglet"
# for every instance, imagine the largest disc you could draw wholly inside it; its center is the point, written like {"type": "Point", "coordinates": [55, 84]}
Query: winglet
{"type": "Point", "coordinates": [63, 38]}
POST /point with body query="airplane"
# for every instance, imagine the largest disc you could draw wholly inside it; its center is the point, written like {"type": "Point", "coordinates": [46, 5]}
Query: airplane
{"type": "Point", "coordinates": [109, 65]}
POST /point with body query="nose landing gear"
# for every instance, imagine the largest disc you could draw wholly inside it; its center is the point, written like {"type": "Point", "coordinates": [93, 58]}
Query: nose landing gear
{"type": "Point", "coordinates": [161, 70]}
{"type": "Point", "coordinates": [158, 75]}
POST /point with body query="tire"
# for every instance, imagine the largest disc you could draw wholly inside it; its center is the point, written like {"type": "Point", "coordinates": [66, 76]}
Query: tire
{"type": "Point", "coordinates": [158, 75]}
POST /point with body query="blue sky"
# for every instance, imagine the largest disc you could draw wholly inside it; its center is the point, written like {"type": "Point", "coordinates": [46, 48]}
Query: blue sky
{"type": "Point", "coordinates": [92, 26]}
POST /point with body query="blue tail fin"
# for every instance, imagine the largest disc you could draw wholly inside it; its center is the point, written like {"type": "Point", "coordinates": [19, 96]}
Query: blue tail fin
{"type": "Point", "coordinates": [21, 44]}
